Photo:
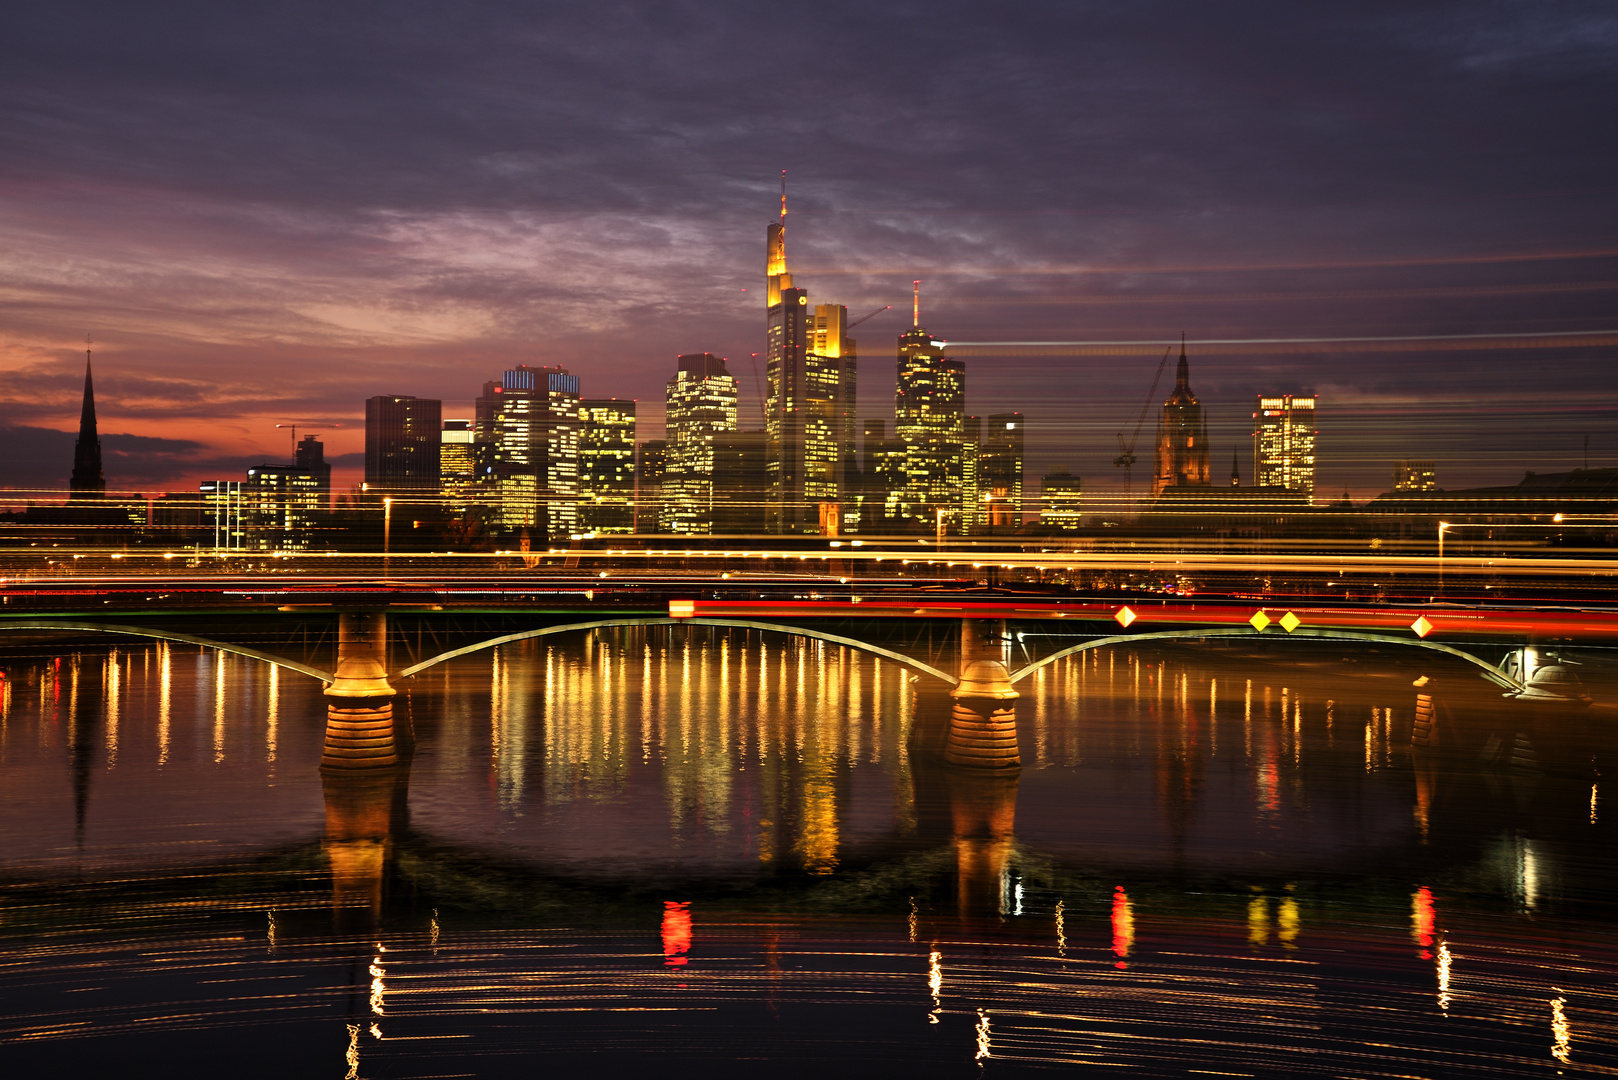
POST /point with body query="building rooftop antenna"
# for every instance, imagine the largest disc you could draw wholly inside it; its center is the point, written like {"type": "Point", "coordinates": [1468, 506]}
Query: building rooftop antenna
{"type": "Point", "coordinates": [915, 304]}
{"type": "Point", "coordinates": [783, 196]}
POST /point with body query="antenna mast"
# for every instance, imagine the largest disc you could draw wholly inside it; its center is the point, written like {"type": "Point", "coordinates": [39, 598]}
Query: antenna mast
{"type": "Point", "coordinates": [915, 304]}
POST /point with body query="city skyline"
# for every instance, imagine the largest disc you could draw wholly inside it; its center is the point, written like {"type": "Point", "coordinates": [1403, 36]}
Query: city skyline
{"type": "Point", "coordinates": [244, 259]}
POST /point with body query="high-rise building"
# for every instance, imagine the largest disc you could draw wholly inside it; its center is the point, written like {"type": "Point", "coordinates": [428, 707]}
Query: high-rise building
{"type": "Point", "coordinates": [87, 481]}
{"type": "Point", "coordinates": [1061, 496]}
{"type": "Point", "coordinates": [282, 507]}
{"type": "Point", "coordinates": [1415, 476]}
{"type": "Point", "coordinates": [1000, 469]}
{"type": "Point", "coordinates": [1284, 443]}
{"type": "Point", "coordinates": [883, 477]}
{"type": "Point", "coordinates": [930, 420]}
{"type": "Point", "coordinates": [223, 514]}
{"type": "Point", "coordinates": [1181, 458]}
{"type": "Point", "coordinates": [528, 431]}
{"type": "Point", "coordinates": [650, 471]}
{"type": "Point", "coordinates": [403, 435]}
{"type": "Point", "coordinates": [607, 465]}
{"type": "Point", "coordinates": [739, 483]}
{"type": "Point", "coordinates": [811, 369]}
{"type": "Point", "coordinates": [974, 518]}
{"type": "Point", "coordinates": [457, 466]}
{"type": "Point", "coordinates": [701, 404]}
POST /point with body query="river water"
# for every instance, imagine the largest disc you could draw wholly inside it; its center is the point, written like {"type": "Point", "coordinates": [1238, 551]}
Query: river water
{"type": "Point", "coordinates": [696, 853]}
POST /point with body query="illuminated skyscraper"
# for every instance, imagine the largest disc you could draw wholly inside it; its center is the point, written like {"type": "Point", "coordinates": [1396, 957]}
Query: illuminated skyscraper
{"type": "Point", "coordinates": [1061, 497]}
{"type": "Point", "coordinates": [811, 369]}
{"type": "Point", "coordinates": [282, 507]}
{"type": "Point", "coordinates": [650, 471]}
{"type": "Point", "coordinates": [457, 466]}
{"type": "Point", "coordinates": [1284, 443]}
{"type": "Point", "coordinates": [1182, 437]}
{"type": "Point", "coordinates": [402, 437]}
{"type": "Point", "coordinates": [528, 428]}
{"type": "Point", "coordinates": [701, 405]}
{"type": "Point", "coordinates": [1000, 468]}
{"type": "Point", "coordinates": [930, 420]}
{"type": "Point", "coordinates": [607, 465]}
{"type": "Point", "coordinates": [974, 517]}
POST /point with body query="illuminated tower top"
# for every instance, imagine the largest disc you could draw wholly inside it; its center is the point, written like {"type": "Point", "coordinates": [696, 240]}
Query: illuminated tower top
{"type": "Point", "coordinates": [87, 481]}
{"type": "Point", "coordinates": [775, 259]}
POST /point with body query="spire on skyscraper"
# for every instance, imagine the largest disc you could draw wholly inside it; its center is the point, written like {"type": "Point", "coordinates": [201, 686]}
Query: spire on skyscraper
{"type": "Point", "coordinates": [87, 481]}
{"type": "Point", "coordinates": [915, 304]}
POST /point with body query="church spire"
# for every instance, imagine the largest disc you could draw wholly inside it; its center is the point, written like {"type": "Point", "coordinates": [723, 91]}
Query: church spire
{"type": "Point", "coordinates": [1235, 470]}
{"type": "Point", "coordinates": [87, 481]}
{"type": "Point", "coordinates": [1182, 374]}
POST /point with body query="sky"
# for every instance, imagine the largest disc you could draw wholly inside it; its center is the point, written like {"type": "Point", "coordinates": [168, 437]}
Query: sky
{"type": "Point", "coordinates": [266, 214]}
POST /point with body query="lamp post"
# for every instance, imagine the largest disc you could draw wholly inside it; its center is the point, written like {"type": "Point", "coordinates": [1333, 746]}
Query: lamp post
{"type": "Point", "coordinates": [941, 512]}
{"type": "Point", "coordinates": [387, 532]}
{"type": "Point", "coordinates": [1442, 526]}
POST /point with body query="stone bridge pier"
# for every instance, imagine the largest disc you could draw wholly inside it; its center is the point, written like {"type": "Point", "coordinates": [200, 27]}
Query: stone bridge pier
{"type": "Point", "coordinates": [983, 719]}
{"type": "Point", "coordinates": [359, 711]}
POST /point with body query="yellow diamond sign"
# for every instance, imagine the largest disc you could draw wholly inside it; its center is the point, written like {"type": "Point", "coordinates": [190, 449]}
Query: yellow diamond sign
{"type": "Point", "coordinates": [1124, 617]}
{"type": "Point", "coordinates": [1290, 622]}
{"type": "Point", "coordinates": [1259, 620]}
{"type": "Point", "coordinates": [1421, 626]}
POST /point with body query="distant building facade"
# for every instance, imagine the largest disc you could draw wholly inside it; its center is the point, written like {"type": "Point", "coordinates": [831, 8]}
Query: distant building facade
{"type": "Point", "coordinates": [1284, 443]}
{"type": "Point", "coordinates": [457, 466]}
{"type": "Point", "coordinates": [651, 467]}
{"type": "Point", "coordinates": [930, 420]}
{"type": "Point", "coordinates": [607, 465]}
{"type": "Point", "coordinates": [1415, 476]}
{"type": "Point", "coordinates": [1001, 472]}
{"type": "Point", "coordinates": [402, 446]}
{"type": "Point", "coordinates": [701, 405]}
{"type": "Point", "coordinates": [284, 507]}
{"type": "Point", "coordinates": [527, 428]}
{"type": "Point", "coordinates": [1061, 496]}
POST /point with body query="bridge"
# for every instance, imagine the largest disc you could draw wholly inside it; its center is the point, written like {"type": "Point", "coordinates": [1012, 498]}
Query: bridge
{"type": "Point", "coordinates": [363, 635]}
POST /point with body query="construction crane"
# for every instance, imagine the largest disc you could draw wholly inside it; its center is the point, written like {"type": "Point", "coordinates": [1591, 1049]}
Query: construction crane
{"type": "Point", "coordinates": [321, 427]}
{"type": "Point", "coordinates": [1126, 458]}
{"type": "Point", "coordinates": [872, 315]}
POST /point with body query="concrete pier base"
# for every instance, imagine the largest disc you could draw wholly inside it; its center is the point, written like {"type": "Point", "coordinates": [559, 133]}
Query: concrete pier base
{"type": "Point", "coordinates": [359, 714]}
{"type": "Point", "coordinates": [983, 720]}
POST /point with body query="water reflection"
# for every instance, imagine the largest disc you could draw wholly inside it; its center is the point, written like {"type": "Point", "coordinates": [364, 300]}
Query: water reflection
{"type": "Point", "coordinates": [734, 837]}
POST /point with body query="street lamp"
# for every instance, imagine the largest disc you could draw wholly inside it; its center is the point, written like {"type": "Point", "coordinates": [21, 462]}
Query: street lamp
{"type": "Point", "coordinates": [387, 531]}
{"type": "Point", "coordinates": [1442, 526]}
{"type": "Point", "coordinates": [941, 513]}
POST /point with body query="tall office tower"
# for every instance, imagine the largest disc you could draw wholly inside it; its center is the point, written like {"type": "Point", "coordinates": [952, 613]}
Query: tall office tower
{"type": "Point", "coordinates": [929, 418]}
{"type": "Point", "coordinates": [457, 466]}
{"type": "Point", "coordinates": [607, 465]}
{"type": "Point", "coordinates": [739, 483]}
{"type": "Point", "coordinates": [223, 514]}
{"type": "Point", "coordinates": [283, 506]}
{"type": "Point", "coordinates": [1415, 476]}
{"type": "Point", "coordinates": [650, 471]}
{"type": "Point", "coordinates": [1000, 472]}
{"type": "Point", "coordinates": [701, 404]}
{"type": "Point", "coordinates": [811, 367]}
{"type": "Point", "coordinates": [1061, 495]}
{"type": "Point", "coordinates": [974, 517]}
{"type": "Point", "coordinates": [528, 425]}
{"type": "Point", "coordinates": [1284, 443]}
{"type": "Point", "coordinates": [883, 476]}
{"type": "Point", "coordinates": [87, 481]}
{"type": "Point", "coordinates": [402, 439]}
{"type": "Point", "coordinates": [1182, 436]}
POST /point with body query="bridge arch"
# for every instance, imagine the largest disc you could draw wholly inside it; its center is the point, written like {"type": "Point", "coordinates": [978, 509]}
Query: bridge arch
{"type": "Point", "coordinates": [744, 624]}
{"type": "Point", "coordinates": [1489, 671]}
{"type": "Point", "coordinates": [168, 635]}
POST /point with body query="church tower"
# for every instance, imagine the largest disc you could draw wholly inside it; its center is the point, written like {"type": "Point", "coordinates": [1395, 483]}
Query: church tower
{"type": "Point", "coordinates": [1182, 436]}
{"type": "Point", "coordinates": [87, 481]}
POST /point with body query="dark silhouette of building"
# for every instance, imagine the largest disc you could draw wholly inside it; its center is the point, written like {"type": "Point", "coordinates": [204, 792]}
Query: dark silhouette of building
{"type": "Point", "coordinates": [740, 483]}
{"type": "Point", "coordinates": [649, 474]}
{"type": "Point", "coordinates": [87, 481]}
{"type": "Point", "coordinates": [402, 438]}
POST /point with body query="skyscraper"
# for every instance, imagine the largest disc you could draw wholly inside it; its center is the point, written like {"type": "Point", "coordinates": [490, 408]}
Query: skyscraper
{"type": "Point", "coordinates": [882, 478]}
{"type": "Point", "coordinates": [1061, 497]}
{"type": "Point", "coordinates": [283, 506]}
{"type": "Point", "coordinates": [528, 428]}
{"type": "Point", "coordinates": [701, 405]}
{"type": "Point", "coordinates": [1284, 443]}
{"type": "Point", "coordinates": [87, 481]}
{"type": "Point", "coordinates": [402, 439]}
{"type": "Point", "coordinates": [811, 368]}
{"type": "Point", "coordinates": [1181, 458]}
{"type": "Point", "coordinates": [930, 420]}
{"type": "Point", "coordinates": [1000, 472]}
{"type": "Point", "coordinates": [1415, 476]}
{"type": "Point", "coordinates": [974, 517]}
{"type": "Point", "coordinates": [607, 465]}
{"type": "Point", "coordinates": [457, 466]}
{"type": "Point", "coordinates": [651, 468]}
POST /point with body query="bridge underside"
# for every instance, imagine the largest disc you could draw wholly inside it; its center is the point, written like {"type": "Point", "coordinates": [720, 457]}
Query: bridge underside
{"type": "Point", "coordinates": [416, 641]}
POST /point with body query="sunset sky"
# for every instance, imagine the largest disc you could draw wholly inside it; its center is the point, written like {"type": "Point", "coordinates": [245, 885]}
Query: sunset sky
{"type": "Point", "coordinates": [268, 213]}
